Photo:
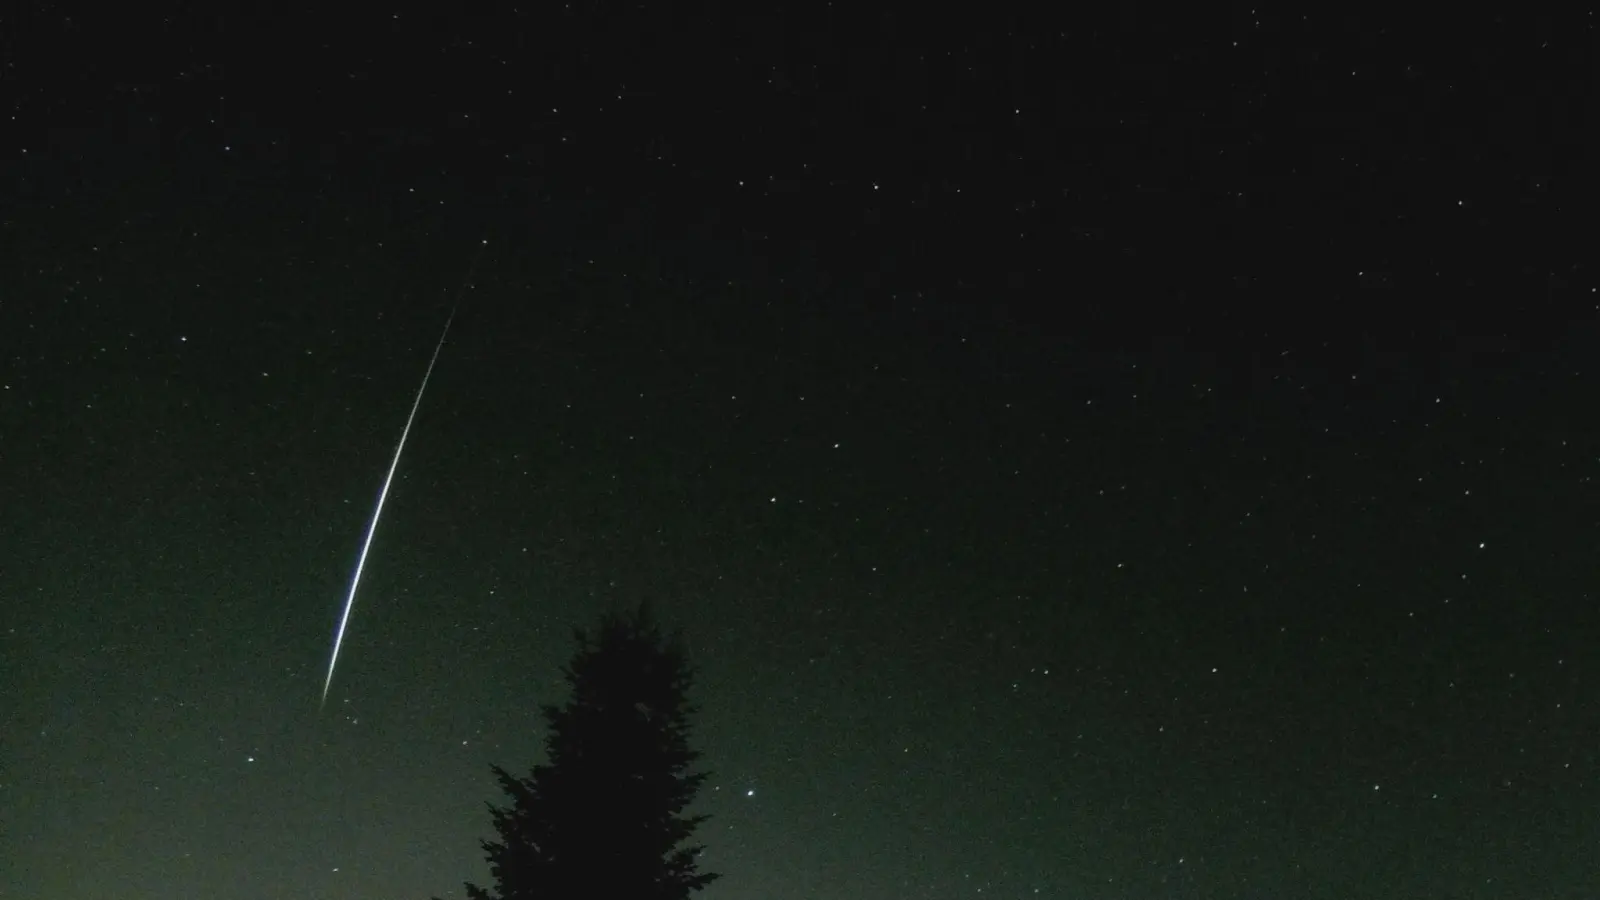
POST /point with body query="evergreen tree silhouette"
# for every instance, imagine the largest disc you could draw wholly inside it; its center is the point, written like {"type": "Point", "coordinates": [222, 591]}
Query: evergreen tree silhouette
{"type": "Point", "coordinates": [603, 818]}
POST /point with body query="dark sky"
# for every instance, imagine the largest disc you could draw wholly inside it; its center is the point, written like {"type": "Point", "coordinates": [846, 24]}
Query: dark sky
{"type": "Point", "coordinates": [1102, 457]}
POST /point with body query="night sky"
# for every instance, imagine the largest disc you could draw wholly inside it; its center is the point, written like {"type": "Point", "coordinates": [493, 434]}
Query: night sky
{"type": "Point", "coordinates": [1110, 456]}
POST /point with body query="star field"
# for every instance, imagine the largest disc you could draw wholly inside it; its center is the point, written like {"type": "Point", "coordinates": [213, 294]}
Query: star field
{"type": "Point", "coordinates": [1107, 457]}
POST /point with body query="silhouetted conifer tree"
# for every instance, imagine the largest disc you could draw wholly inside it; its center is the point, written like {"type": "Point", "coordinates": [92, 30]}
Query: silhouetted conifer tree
{"type": "Point", "coordinates": [604, 819]}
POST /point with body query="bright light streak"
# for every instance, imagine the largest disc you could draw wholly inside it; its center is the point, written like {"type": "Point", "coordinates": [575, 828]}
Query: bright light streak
{"type": "Point", "coordinates": [372, 527]}
{"type": "Point", "coordinates": [383, 495]}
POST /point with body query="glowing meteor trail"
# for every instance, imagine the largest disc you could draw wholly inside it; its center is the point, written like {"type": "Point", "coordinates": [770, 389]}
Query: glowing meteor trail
{"type": "Point", "coordinates": [372, 527]}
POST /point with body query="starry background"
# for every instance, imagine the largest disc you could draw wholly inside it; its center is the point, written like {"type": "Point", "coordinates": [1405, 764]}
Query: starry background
{"type": "Point", "coordinates": [1109, 456]}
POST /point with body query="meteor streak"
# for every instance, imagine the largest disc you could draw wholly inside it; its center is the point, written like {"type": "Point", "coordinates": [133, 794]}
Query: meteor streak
{"type": "Point", "coordinates": [372, 527]}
